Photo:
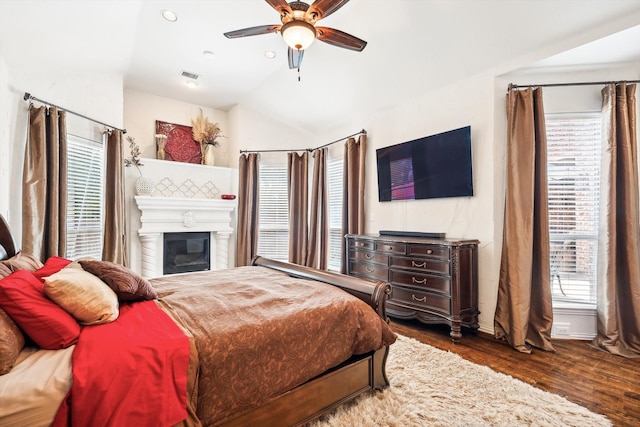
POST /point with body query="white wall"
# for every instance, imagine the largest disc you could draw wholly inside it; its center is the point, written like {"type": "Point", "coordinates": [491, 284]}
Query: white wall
{"type": "Point", "coordinates": [95, 95]}
{"type": "Point", "coordinates": [5, 138]}
{"type": "Point", "coordinates": [569, 320]}
{"type": "Point", "coordinates": [478, 101]}
{"type": "Point", "coordinates": [141, 110]}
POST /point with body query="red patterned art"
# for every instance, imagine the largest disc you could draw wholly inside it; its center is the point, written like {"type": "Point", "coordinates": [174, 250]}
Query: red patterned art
{"type": "Point", "coordinates": [180, 146]}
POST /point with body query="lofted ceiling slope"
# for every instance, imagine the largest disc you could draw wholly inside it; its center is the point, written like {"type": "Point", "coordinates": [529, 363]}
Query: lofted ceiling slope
{"type": "Point", "coordinates": [414, 46]}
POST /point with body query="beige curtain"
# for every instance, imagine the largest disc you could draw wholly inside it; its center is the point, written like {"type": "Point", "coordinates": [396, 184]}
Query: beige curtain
{"type": "Point", "coordinates": [298, 176]}
{"type": "Point", "coordinates": [524, 313]}
{"type": "Point", "coordinates": [353, 190]}
{"type": "Point", "coordinates": [248, 199]}
{"type": "Point", "coordinates": [44, 184]}
{"type": "Point", "coordinates": [619, 243]}
{"type": "Point", "coordinates": [114, 246]}
{"type": "Point", "coordinates": [317, 248]}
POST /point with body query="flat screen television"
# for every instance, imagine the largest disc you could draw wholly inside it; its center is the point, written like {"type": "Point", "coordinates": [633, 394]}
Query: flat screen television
{"type": "Point", "coordinates": [431, 167]}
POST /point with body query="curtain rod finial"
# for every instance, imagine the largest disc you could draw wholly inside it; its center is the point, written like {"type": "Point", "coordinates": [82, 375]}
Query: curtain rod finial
{"type": "Point", "coordinates": [26, 96]}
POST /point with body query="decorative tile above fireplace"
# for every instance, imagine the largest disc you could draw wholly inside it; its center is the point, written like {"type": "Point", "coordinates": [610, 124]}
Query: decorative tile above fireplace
{"type": "Point", "coordinates": [162, 215]}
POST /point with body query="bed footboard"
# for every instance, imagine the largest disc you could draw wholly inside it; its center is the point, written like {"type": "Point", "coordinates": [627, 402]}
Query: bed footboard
{"type": "Point", "coordinates": [373, 293]}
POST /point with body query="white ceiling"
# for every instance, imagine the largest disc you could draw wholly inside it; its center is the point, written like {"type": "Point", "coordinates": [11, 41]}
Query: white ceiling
{"type": "Point", "coordinates": [413, 46]}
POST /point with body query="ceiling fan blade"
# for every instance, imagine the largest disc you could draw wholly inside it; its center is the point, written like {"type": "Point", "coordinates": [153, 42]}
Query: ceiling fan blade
{"type": "Point", "coordinates": [340, 39]}
{"type": "Point", "coordinates": [281, 6]}
{"type": "Point", "coordinates": [295, 57]}
{"type": "Point", "coordinates": [252, 31]}
{"type": "Point", "coordinates": [324, 8]}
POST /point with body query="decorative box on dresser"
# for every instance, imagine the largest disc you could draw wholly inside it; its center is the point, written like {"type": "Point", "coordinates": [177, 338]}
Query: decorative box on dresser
{"type": "Point", "coordinates": [432, 280]}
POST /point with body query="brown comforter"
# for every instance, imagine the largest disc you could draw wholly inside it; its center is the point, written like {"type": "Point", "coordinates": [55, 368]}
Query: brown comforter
{"type": "Point", "coordinates": [259, 332]}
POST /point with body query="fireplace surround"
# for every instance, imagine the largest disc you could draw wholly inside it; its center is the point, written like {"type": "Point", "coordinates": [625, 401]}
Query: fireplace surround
{"type": "Point", "coordinates": [160, 215]}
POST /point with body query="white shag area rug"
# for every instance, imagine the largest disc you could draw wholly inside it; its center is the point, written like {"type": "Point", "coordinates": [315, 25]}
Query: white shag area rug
{"type": "Point", "coordinates": [431, 387]}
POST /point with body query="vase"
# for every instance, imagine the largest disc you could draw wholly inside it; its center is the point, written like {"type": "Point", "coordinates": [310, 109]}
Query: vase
{"type": "Point", "coordinates": [209, 155]}
{"type": "Point", "coordinates": [144, 186]}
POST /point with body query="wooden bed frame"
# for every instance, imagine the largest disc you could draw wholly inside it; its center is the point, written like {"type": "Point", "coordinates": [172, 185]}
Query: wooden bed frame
{"type": "Point", "coordinates": [327, 391]}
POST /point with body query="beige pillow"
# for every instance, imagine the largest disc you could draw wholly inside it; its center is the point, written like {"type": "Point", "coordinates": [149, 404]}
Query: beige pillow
{"type": "Point", "coordinates": [82, 295]}
{"type": "Point", "coordinates": [11, 342]}
{"type": "Point", "coordinates": [23, 261]}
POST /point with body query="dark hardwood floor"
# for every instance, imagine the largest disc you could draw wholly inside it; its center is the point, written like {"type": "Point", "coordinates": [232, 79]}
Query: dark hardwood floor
{"type": "Point", "coordinates": [603, 383]}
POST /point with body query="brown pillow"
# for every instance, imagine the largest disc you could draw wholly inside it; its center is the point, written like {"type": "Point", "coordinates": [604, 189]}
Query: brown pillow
{"type": "Point", "coordinates": [11, 342]}
{"type": "Point", "coordinates": [23, 261]}
{"type": "Point", "coordinates": [125, 283]}
{"type": "Point", "coordinates": [4, 270]}
{"type": "Point", "coordinates": [87, 298]}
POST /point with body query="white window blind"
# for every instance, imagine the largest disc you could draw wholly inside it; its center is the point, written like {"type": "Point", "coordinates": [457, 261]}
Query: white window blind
{"type": "Point", "coordinates": [273, 236]}
{"type": "Point", "coordinates": [85, 171]}
{"type": "Point", "coordinates": [334, 184]}
{"type": "Point", "coordinates": [573, 159]}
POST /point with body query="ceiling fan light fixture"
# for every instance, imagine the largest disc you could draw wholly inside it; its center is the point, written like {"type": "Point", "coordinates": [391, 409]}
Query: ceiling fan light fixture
{"type": "Point", "coordinates": [298, 34]}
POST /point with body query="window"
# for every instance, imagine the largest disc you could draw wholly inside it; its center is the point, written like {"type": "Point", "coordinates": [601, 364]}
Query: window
{"type": "Point", "coordinates": [573, 160]}
{"type": "Point", "coordinates": [334, 184]}
{"type": "Point", "coordinates": [85, 171]}
{"type": "Point", "coordinates": [273, 235]}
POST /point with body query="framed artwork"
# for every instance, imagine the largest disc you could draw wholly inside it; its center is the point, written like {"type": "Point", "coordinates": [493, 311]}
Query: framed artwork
{"type": "Point", "coordinates": [180, 145]}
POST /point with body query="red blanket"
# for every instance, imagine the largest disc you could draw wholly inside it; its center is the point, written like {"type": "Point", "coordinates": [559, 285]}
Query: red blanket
{"type": "Point", "coordinates": [131, 372]}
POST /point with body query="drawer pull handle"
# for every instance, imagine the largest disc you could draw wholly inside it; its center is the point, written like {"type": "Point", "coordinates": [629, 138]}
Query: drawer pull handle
{"type": "Point", "coordinates": [369, 269]}
{"type": "Point", "coordinates": [419, 264]}
{"type": "Point", "coordinates": [368, 256]}
{"type": "Point", "coordinates": [415, 298]}
{"type": "Point", "coordinates": [429, 251]}
{"type": "Point", "coordinates": [419, 282]}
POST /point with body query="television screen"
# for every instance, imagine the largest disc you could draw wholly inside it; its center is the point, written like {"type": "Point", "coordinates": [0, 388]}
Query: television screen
{"type": "Point", "coordinates": [431, 167]}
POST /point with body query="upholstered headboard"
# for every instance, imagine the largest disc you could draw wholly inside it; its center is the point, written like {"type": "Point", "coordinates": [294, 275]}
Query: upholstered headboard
{"type": "Point", "coordinates": [7, 244]}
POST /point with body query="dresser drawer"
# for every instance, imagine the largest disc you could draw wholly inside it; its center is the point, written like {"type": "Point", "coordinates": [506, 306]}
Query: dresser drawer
{"type": "Point", "coordinates": [421, 264]}
{"type": "Point", "coordinates": [368, 270]}
{"type": "Point", "coordinates": [364, 244]}
{"type": "Point", "coordinates": [391, 247]}
{"type": "Point", "coordinates": [432, 251]}
{"type": "Point", "coordinates": [403, 277]}
{"type": "Point", "coordinates": [421, 300]}
{"type": "Point", "coordinates": [368, 256]}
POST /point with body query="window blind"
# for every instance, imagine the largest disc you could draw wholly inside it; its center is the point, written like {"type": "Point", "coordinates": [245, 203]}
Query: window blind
{"type": "Point", "coordinates": [334, 184]}
{"type": "Point", "coordinates": [573, 166]}
{"type": "Point", "coordinates": [273, 235]}
{"type": "Point", "coordinates": [85, 171]}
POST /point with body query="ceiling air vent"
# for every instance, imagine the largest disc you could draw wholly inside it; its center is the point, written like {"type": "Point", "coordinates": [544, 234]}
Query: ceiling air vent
{"type": "Point", "coordinates": [193, 76]}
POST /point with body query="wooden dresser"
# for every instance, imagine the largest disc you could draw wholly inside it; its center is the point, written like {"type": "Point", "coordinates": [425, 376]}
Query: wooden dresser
{"type": "Point", "coordinates": [432, 280]}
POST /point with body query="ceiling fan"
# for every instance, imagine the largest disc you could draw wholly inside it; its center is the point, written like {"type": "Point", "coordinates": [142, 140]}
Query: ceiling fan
{"type": "Point", "coordinates": [298, 28]}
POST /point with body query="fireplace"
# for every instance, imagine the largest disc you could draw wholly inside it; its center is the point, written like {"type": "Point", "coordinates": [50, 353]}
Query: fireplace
{"type": "Point", "coordinates": [170, 216]}
{"type": "Point", "coordinates": [186, 252]}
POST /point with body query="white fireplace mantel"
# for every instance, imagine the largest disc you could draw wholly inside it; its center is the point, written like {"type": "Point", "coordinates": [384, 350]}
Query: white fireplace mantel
{"type": "Point", "coordinates": [177, 215]}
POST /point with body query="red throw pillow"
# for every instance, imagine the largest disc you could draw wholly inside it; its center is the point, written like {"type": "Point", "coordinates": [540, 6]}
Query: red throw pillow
{"type": "Point", "coordinates": [51, 266]}
{"type": "Point", "coordinates": [23, 298]}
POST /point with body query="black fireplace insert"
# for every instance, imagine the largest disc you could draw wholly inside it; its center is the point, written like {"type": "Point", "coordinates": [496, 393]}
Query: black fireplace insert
{"type": "Point", "coordinates": [186, 252]}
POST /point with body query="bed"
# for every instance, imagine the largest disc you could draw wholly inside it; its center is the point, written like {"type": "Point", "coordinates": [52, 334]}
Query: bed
{"type": "Point", "coordinates": [269, 344]}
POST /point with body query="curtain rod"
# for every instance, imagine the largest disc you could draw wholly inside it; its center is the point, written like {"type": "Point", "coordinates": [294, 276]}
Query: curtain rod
{"type": "Point", "coordinates": [29, 97]}
{"type": "Point", "coordinates": [362, 132]}
{"type": "Point", "coordinates": [515, 86]}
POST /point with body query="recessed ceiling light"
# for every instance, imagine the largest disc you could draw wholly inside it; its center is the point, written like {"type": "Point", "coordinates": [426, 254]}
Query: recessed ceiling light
{"type": "Point", "coordinates": [208, 53]}
{"type": "Point", "coordinates": [191, 83]}
{"type": "Point", "coordinates": [169, 15]}
{"type": "Point", "coordinates": [269, 54]}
